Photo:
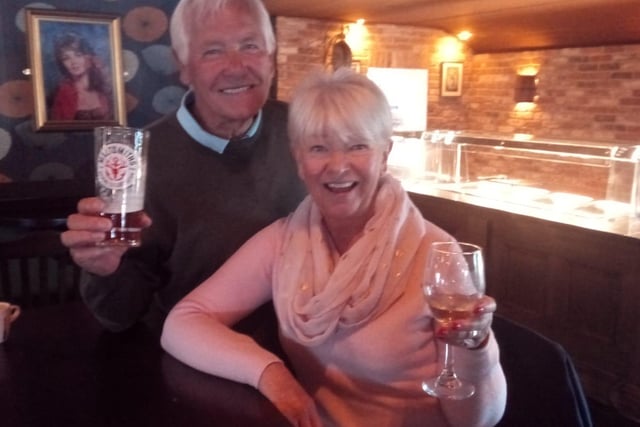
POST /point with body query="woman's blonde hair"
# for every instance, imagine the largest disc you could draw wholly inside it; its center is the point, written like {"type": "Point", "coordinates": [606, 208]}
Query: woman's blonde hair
{"type": "Point", "coordinates": [343, 103]}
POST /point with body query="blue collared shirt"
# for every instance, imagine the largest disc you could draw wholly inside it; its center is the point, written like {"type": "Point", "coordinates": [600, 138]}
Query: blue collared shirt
{"type": "Point", "coordinates": [195, 131]}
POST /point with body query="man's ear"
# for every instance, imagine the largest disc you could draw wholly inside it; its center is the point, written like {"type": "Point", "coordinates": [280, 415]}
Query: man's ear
{"type": "Point", "coordinates": [182, 69]}
{"type": "Point", "coordinates": [385, 154]}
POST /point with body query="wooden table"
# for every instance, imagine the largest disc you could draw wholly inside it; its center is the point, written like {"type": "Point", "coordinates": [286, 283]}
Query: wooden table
{"type": "Point", "coordinates": [61, 368]}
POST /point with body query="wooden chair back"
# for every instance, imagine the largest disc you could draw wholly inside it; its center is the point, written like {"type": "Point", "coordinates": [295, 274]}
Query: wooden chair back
{"type": "Point", "coordinates": [36, 270]}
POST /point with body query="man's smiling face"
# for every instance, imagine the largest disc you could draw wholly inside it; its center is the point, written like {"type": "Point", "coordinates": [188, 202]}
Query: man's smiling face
{"type": "Point", "coordinates": [229, 69]}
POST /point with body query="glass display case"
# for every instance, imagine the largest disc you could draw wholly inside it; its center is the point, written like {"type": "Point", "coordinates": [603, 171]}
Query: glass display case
{"type": "Point", "coordinates": [595, 185]}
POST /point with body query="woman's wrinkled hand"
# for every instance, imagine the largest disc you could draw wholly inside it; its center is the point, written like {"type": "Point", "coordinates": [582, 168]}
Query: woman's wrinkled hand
{"type": "Point", "coordinates": [471, 333]}
{"type": "Point", "coordinates": [279, 385]}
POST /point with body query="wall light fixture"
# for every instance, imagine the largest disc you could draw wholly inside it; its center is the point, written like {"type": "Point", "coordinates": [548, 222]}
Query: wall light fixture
{"type": "Point", "coordinates": [526, 88]}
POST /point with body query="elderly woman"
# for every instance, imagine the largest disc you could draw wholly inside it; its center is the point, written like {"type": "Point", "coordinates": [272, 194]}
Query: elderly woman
{"type": "Point", "coordinates": [344, 272]}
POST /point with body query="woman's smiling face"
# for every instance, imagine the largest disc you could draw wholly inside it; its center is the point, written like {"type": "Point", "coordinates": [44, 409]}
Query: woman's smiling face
{"type": "Point", "coordinates": [342, 174]}
{"type": "Point", "coordinates": [340, 126]}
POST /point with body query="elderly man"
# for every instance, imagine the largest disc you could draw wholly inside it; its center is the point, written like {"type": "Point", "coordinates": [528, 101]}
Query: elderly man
{"type": "Point", "coordinates": [219, 170]}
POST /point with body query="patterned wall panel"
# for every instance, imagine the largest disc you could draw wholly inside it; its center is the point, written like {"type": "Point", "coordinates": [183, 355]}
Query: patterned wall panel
{"type": "Point", "coordinates": [151, 81]}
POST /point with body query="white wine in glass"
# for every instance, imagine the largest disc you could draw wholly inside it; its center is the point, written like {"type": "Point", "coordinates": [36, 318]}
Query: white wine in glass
{"type": "Point", "coordinates": [454, 283]}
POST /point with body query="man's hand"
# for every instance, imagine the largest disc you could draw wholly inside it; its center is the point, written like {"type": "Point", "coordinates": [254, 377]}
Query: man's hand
{"type": "Point", "coordinates": [86, 228]}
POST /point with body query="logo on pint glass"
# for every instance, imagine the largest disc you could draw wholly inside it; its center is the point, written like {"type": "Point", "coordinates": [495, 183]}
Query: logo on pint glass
{"type": "Point", "coordinates": [117, 164]}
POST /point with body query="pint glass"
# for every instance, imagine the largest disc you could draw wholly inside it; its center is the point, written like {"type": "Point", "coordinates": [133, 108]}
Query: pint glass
{"type": "Point", "coordinates": [121, 169]}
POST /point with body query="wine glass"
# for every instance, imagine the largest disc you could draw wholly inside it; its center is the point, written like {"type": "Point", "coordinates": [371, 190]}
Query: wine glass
{"type": "Point", "coordinates": [454, 283]}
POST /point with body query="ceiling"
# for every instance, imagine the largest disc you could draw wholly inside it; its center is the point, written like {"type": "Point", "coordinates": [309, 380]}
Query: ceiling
{"type": "Point", "coordinates": [497, 25]}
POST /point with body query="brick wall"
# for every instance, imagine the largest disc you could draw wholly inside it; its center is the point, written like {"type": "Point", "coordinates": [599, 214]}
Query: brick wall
{"type": "Point", "coordinates": [303, 43]}
{"type": "Point", "coordinates": [586, 93]}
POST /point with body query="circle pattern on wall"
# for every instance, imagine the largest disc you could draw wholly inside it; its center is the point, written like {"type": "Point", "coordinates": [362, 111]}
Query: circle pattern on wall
{"type": "Point", "coordinates": [21, 22]}
{"type": "Point", "coordinates": [130, 63]}
{"type": "Point", "coordinates": [145, 23]}
{"type": "Point", "coordinates": [16, 98]}
{"type": "Point", "coordinates": [160, 59]}
{"type": "Point", "coordinates": [131, 102]}
{"type": "Point", "coordinates": [38, 140]}
{"type": "Point", "coordinates": [51, 171]}
{"type": "Point", "coordinates": [168, 99]}
{"type": "Point", "coordinates": [5, 143]}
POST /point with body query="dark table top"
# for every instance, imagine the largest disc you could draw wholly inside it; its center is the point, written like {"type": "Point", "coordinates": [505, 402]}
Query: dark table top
{"type": "Point", "coordinates": [60, 368]}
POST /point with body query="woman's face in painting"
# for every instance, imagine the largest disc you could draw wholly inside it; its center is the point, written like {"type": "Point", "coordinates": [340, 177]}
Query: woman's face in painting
{"type": "Point", "coordinates": [75, 62]}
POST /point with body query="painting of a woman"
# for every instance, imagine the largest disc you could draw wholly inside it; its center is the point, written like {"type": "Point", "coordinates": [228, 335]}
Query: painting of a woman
{"type": "Point", "coordinates": [83, 92]}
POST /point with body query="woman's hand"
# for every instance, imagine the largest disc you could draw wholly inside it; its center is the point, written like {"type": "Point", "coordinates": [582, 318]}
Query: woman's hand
{"type": "Point", "coordinates": [86, 228]}
{"type": "Point", "coordinates": [279, 386]}
{"type": "Point", "coordinates": [471, 333]}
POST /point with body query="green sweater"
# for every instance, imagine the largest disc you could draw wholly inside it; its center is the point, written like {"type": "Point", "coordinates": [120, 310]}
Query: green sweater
{"type": "Point", "coordinates": [204, 205]}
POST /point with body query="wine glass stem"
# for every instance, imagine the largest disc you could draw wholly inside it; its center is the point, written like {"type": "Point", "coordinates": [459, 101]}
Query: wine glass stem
{"type": "Point", "coordinates": [448, 377]}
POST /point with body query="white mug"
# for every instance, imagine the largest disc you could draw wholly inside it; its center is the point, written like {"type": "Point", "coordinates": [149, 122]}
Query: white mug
{"type": "Point", "coordinates": [8, 313]}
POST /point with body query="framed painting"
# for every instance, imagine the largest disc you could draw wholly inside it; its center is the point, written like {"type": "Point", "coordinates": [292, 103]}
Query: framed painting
{"type": "Point", "coordinates": [76, 70]}
{"type": "Point", "coordinates": [451, 79]}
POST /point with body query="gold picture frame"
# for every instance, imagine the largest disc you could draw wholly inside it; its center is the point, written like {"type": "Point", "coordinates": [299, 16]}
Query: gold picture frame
{"type": "Point", "coordinates": [451, 79]}
{"type": "Point", "coordinates": [76, 69]}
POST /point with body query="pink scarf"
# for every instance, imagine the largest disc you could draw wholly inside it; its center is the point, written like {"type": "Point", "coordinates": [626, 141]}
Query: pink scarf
{"type": "Point", "coordinates": [316, 293]}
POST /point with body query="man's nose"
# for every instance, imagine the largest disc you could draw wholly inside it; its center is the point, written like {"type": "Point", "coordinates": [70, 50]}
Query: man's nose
{"type": "Point", "coordinates": [234, 59]}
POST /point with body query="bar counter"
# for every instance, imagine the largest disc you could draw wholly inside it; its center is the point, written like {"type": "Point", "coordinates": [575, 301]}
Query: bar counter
{"type": "Point", "coordinates": [573, 281]}
{"type": "Point", "coordinates": [621, 224]}
{"type": "Point", "coordinates": [59, 367]}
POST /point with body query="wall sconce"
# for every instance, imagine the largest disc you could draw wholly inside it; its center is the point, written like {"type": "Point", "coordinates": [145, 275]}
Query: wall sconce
{"type": "Point", "coordinates": [526, 87]}
{"type": "Point", "coordinates": [450, 49]}
{"type": "Point", "coordinates": [338, 53]}
{"type": "Point", "coordinates": [356, 37]}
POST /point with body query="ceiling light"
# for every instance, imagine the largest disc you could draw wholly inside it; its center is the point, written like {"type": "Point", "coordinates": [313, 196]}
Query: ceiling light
{"type": "Point", "coordinates": [464, 35]}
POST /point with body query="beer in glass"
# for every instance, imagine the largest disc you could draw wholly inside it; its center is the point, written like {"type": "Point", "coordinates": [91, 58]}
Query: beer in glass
{"type": "Point", "coordinates": [121, 169]}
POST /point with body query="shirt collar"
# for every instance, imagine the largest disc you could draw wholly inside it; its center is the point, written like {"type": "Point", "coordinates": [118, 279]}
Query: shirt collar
{"type": "Point", "coordinates": [195, 131]}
